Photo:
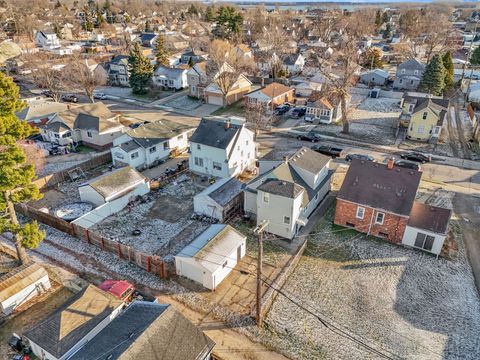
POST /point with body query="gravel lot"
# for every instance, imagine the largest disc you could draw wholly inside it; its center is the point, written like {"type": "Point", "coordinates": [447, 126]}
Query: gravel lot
{"type": "Point", "coordinates": [400, 301]}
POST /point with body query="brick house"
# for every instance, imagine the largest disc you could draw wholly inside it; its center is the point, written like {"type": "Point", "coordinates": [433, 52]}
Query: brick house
{"type": "Point", "coordinates": [376, 199]}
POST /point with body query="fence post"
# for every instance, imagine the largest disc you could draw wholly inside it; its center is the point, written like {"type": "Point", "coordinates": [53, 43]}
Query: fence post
{"type": "Point", "coordinates": [119, 251]}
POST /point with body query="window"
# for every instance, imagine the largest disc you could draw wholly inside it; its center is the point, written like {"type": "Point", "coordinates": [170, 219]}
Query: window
{"type": "Point", "coordinates": [266, 197]}
{"type": "Point", "coordinates": [199, 147]}
{"type": "Point", "coordinates": [134, 155]}
{"type": "Point", "coordinates": [360, 212]}
{"type": "Point", "coordinates": [165, 145]}
{"type": "Point", "coordinates": [286, 220]}
{"type": "Point", "coordinates": [403, 71]}
{"type": "Point", "coordinates": [437, 130]}
{"type": "Point", "coordinates": [411, 82]}
{"type": "Point", "coordinates": [350, 224]}
{"type": "Point", "coordinates": [400, 81]}
{"type": "Point", "coordinates": [246, 142]}
{"type": "Point", "coordinates": [424, 116]}
{"type": "Point", "coordinates": [89, 134]}
{"type": "Point", "coordinates": [411, 107]}
{"type": "Point", "coordinates": [421, 129]}
{"type": "Point", "coordinates": [424, 241]}
{"type": "Point", "coordinates": [56, 135]}
{"type": "Point", "coordinates": [198, 161]}
{"type": "Point", "coordinates": [379, 218]}
{"type": "Point", "coordinates": [241, 153]}
{"type": "Point", "coordinates": [225, 264]}
{"type": "Point", "coordinates": [217, 166]}
{"type": "Point", "coordinates": [415, 72]}
{"type": "Point", "coordinates": [180, 137]}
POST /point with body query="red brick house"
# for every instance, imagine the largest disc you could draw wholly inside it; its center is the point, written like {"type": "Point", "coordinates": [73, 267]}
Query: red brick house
{"type": "Point", "coordinates": [377, 199]}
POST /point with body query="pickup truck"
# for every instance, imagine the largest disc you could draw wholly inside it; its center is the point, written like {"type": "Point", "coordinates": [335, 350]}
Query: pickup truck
{"type": "Point", "coordinates": [125, 291]}
{"type": "Point", "coordinates": [334, 152]}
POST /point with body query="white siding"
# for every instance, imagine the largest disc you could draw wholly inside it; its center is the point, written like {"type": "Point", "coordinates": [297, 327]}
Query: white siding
{"type": "Point", "coordinates": [88, 194]}
{"type": "Point", "coordinates": [410, 235]}
{"type": "Point", "coordinates": [204, 204]}
{"type": "Point", "coordinates": [34, 289]}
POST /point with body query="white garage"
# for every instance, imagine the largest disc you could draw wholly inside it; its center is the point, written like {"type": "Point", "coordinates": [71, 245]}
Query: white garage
{"type": "Point", "coordinates": [211, 256]}
{"type": "Point", "coordinates": [214, 100]}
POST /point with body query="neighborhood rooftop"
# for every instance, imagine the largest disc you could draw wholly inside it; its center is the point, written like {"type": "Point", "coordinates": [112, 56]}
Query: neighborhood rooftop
{"type": "Point", "coordinates": [19, 278]}
{"type": "Point", "coordinates": [430, 218]}
{"type": "Point", "coordinates": [217, 132]}
{"type": "Point", "coordinates": [116, 181]}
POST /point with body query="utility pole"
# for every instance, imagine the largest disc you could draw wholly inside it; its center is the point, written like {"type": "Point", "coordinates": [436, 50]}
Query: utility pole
{"type": "Point", "coordinates": [259, 231]}
{"type": "Point", "coordinates": [469, 52]}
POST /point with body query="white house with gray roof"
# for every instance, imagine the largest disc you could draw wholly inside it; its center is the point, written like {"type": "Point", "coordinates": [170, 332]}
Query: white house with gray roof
{"type": "Point", "coordinates": [222, 147]}
{"type": "Point", "coordinates": [170, 78]}
{"type": "Point", "coordinates": [409, 74]}
{"type": "Point", "coordinates": [146, 145]}
{"type": "Point", "coordinates": [211, 256]}
{"type": "Point", "coordinates": [288, 190]}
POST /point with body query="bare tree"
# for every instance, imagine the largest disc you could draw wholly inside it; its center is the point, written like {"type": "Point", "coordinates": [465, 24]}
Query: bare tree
{"type": "Point", "coordinates": [86, 75]}
{"type": "Point", "coordinates": [258, 116]}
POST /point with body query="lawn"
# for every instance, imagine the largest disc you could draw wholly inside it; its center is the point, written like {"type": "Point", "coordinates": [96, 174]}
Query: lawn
{"type": "Point", "coordinates": [235, 109]}
{"type": "Point", "coordinates": [402, 302]}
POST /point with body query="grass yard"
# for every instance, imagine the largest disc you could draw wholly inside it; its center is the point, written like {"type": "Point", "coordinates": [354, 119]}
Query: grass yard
{"type": "Point", "coordinates": [235, 109]}
{"type": "Point", "coordinates": [405, 303]}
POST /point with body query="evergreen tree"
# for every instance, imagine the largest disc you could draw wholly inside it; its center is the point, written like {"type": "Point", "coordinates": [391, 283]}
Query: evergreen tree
{"type": "Point", "coordinates": [16, 175]}
{"type": "Point", "coordinates": [228, 22]}
{"type": "Point", "coordinates": [147, 26]}
{"type": "Point", "coordinates": [161, 54]}
{"type": "Point", "coordinates": [141, 70]}
{"type": "Point", "coordinates": [190, 62]}
{"type": "Point", "coordinates": [209, 14]}
{"type": "Point", "coordinates": [192, 10]}
{"type": "Point", "coordinates": [433, 80]}
{"type": "Point", "coordinates": [387, 33]}
{"type": "Point", "coordinates": [384, 17]}
{"type": "Point", "coordinates": [378, 19]}
{"type": "Point", "coordinates": [88, 23]}
{"type": "Point", "coordinates": [99, 16]}
{"type": "Point", "coordinates": [448, 65]}
{"type": "Point", "coordinates": [475, 57]}
{"type": "Point", "coordinates": [373, 59]}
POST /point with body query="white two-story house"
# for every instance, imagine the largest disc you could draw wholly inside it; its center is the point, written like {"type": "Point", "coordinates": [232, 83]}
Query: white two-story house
{"type": "Point", "coordinates": [47, 40]}
{"type": "Point", "coordinates": [146, 145]}
{"type": "Point", "coordinates": [222, 147]}
{"type": "Point", "coordinates": [288, 191]}
{"type": "Point", "coordinates": [197, 80]}
{"type": "Point", "coordinates": [170, 78]}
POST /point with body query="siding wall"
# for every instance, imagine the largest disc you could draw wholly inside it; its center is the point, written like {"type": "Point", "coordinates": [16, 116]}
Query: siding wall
{"type": "Point", "coordinates": [410, 236]}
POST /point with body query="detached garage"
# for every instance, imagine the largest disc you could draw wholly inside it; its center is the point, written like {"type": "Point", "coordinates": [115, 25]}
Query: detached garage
{"type": "Point", "coordinates": [20, 285]}
{"type": "Point", "coordinates": [212, 255]}
{"type": "Point", "coordinates": [220, 200]}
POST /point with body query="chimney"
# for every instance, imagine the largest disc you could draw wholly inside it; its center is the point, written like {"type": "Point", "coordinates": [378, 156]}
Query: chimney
{"type": "Point", "coordinates": [285, 159]}
{"type": "Point", "coordinates": [228, 124]}
{"type": "Point", "coordinates": [390, 163]}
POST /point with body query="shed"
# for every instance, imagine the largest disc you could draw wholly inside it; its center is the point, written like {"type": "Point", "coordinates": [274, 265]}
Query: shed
{"type": "Point", "coordinates": [113, 185]}
{"type": "Point", "coordinates": [74, 324]}
{"type": "Point", "coordinates": [220, 200]}
{"type": "Point", "coordinates": [212, 255]}
{"type": "Point", "coordinates": [21, 284]}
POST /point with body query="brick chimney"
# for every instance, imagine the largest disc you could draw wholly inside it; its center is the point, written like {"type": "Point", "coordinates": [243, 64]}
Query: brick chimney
{"type": "Point", "coordinates": [390, 163]}
{"type": "Point", "coordinates": [285, 159]}
{"type": "Point", "coordinates": [228, 124]}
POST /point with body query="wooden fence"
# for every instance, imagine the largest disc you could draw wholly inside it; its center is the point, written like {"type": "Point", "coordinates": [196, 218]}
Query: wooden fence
{"type": "Point", "coordinates": [58, 177]}
{"type": "Point", "coordinates": [151, 263]}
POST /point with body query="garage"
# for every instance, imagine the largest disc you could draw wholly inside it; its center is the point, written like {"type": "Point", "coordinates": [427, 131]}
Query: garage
{"type": "Point", "coordinates": [214, 99]}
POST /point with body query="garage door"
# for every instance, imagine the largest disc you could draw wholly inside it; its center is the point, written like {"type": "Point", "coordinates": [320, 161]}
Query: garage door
{"type": "Point", "coordinates": [215, 100]}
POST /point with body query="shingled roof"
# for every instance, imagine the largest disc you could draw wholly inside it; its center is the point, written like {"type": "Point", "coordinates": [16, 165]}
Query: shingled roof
{"type": "Point", "coordinates": [66, 326]}
{"type": "Point", "coordinates": [430, 218]}
{"type": "Point", "coordinates": [281, 187]}
{"type": "Point", "coordinates": [148, 331]}
{"type": "Point", "coordinates": [19, 278]}
{"type": "Point", "coordinates": [214, 132]}
{"type": "Point", "coordinates": [374, 185]}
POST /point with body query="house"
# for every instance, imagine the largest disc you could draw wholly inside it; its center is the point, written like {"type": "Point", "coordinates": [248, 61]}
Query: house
{"type": "Point", "coordinates": [294, 63]}
{"type": "Point", "coordinates": [148, 39]}
{"type": "Point", "coordinates": [408, 75]}
{"type": "Point", "coordinates": [170, 78]}
{"type": "Point", "coordinates": [427, 227]}
{"type": "Point", "coordinates": [39, 111]}
{"type": "Point", "coordinates": [423, 115]}
{"type": "Point", "coordinates": [271, 95]}
{"type": "Point", "coordinates": [22, 284]}
{"type": "Point", "coordinates": [175, 43]}
{"type": "Point", "coordinates": [192, 56]}
{"type": "Point", "coordinates": [376, 77]}
{"type": "Point", "coordinates": [74, 324]}
{"type": "Point", "coordinates": [243, 50]}
{"type": "Point", "coordinates": [123, 182]}
{"type": "Point", "coordinates": [211, 256]}
{"type": "Point", "coordinates": [47, 40]}
{"type": "Point", "coordinates": [222, 147]}
{"type": "Point", "coordinates": [197, 80]}
{"type": "Point", "coordinates": [214, 95]}
{"type": "Point", "coordinates": [307, 88]}
{"type": "Point", "coordinates": [324, 109]}
{"type": "Point", "coordinates": [146, 145]}
{"type": "Point", "coordinates": [117, 71]}
{"type": "Point", "coordinates": [288, 191]}
{"type": "Point", "coordinates": [92, 125]}
{"type": "Point", "coordinates": [220, 200]}
{"type": "Point", "coordinates": [130, 334]}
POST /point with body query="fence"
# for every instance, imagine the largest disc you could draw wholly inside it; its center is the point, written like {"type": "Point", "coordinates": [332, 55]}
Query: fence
{"type": "Point", "coordinates": [150, 263]}
{"type": "Point", "coordinates": [58, 177]}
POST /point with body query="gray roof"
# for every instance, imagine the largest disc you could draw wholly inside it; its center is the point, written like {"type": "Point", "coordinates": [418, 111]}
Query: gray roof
{"type": "Point", "coordinates": [157, 132]}
{"type": "Point", "coordinates": [374, 185]}
{"type": "Point", "coordinates": [430, 218]}
{"type": "Point", "coordinates": [281, 187]}
{"type": "Point", "coordinates": [171, 73]}
{"type": "Point", "coordinates": [213, 132]}
{"type": "Point", "coordinates": [55, 126]}
{"type": "Point", "coordinates": [224, 190]}
{"type": "Point", "coordinates": [87, 122]}
{"type": "Point", "coordinates": [70, 323]}
{"type": "Point", "coordinates": [309, 160]}
{"type": "Point", "coordinates": [148, 330]}
{"type": "Point", "coordinates": [129, 146]}
{"type": "Point", "coordinates": [412, 64]}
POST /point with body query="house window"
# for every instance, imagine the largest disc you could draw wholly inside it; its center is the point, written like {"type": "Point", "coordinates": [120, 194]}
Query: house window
{"type": "Point", "coordinates": [198, 161]}
{"type": "Point", "coordinates": [165, 145]}
{"type": "Point", "coordinates": [217, 166]}
{"type": "Point", "coordinates": [89, 134]}
{"type": "Point", "coordinates": [180, 137]}
{"type": "Point", "coordinates": [403, 71]}
{"type": "Point", "coordinates": [411, 107]}
{"type": "Point", "coordinates": [360, 212]}
{"type": "Point", "coordinates": [286, 220]}
{"type": "Point", "coordinates": [246, 142]}
{"type": "Point", "coordinates": [225, 264]}
{"type": "Point", "coordinates": [401, 81]}
{"type": "Point", "coordinates": [421, 129]}
{"type": "Point", "coordinates": [152, 149]}
{"type": "Point", "coordinates": [424, 241]}
{"type": "Point", "coordinates": [198, 147]}
{"type": "Point", "coordinates": [266, 197]}
{"type": "Point", "coordinates": [241, 153]}
{"type": "Point", "coordinates": [424, 116]}
{"type": "Point", "coordinates": [134, 155]}
{"type": "Point", "coordinates": [382, 234]}
{"type": "Point", "coordinates": [415, 72]}
{"type": "Point", "coordinates": [56, 136]}
{"type": "Point", "coordinates": [379, 218]}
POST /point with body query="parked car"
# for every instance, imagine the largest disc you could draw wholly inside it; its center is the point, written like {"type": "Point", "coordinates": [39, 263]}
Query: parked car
{"type": "Point", "coordinates": [99, 96]}
{"type": "Point", "coordinates": [70, 98]}
{"type": "Point", "coordinates": [281, 109]}
{"type": "Point", "coordinates": [363, 157]}
{"type": "Point", "coordinates": [416, 156]}
{"type": "Point", "coordinates": [408, 164]}
{"type": "Point", "coordinates": [298, 112]}
{"type": "Point", "coordinates": [47, 93]}
{"type": "Point", "coordinates": [334, 152]}
{"type": "Point", "coordinates": [125, 291]}
{"type": "Point", "coordinates": [311, 136]}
